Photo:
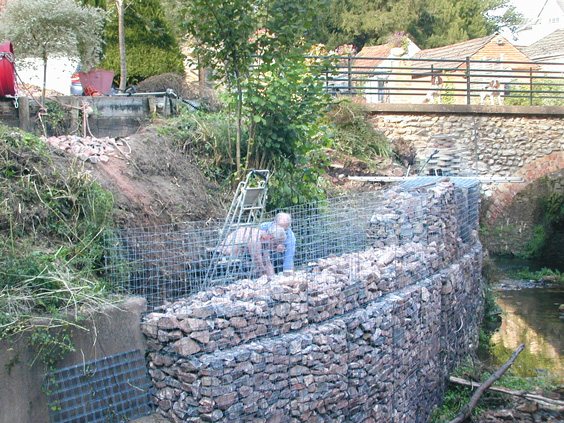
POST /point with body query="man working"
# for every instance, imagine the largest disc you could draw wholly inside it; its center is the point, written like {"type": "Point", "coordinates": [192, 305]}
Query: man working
{"type": "Point", "coordinates": [257, 243]}
{"type": "Point", "coordinates": [283, 257]}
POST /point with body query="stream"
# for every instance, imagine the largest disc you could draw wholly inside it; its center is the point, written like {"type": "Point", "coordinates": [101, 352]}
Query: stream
{"type": "Point", "coordinates": [529, 315]}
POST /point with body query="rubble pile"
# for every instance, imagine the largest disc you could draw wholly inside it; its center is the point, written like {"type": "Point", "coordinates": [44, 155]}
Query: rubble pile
{"type": "Point", "coordinates": [89, 149]}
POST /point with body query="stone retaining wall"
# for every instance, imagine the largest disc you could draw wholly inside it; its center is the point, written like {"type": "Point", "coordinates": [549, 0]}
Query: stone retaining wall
{"type": "Point", "coordinates": [501, 144]}
{"type": "Point", "coordinates": [366, 336]}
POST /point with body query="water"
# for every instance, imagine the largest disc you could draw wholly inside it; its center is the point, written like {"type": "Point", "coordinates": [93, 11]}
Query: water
{"type": "Point", "coordinates": [530, 315]}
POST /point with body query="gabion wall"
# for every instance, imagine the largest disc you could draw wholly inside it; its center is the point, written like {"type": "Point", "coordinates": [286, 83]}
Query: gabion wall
{"type": "Point", "coordinates": [367, 336]}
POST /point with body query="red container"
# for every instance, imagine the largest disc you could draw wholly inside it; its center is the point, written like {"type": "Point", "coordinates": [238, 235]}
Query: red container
{"type": "Point", "coordinates": [7, 70]}
{"type": "Point", "coordinates": [100, 80]}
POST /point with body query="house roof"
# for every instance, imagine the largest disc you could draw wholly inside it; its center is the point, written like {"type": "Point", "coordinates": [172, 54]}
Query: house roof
{"type": "Point", "coordinates": [373, 55]}
{"type": "Point", "coordinates": [452, 57]}
{"type": "Point", "coordinates": [458, 51]}
{"type": "Point", "coordinates": [551, 45]}
{"type": "Point", "coordinates": [559, 3]}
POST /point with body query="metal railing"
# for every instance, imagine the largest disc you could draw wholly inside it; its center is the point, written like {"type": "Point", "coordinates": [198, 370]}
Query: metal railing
{"type": "Point", "coordinates": [408, 80]}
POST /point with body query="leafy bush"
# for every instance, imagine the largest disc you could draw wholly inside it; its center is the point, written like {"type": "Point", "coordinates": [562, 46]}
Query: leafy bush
{"type": "Point", "coordinates": [151, 48]}
{"type": "Point", "coordinates": [208, 138]}
{"type": "Point", "coordinates": [545, 92]}
{"type": "Point", "coordinates": [351, 133]}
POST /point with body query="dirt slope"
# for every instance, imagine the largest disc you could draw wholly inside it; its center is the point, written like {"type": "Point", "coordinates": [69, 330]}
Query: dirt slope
{"type": "Point", "coordinates": [153, 183]}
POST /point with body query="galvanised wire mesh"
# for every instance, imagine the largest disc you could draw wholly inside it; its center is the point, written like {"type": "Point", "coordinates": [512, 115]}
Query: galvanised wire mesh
{"type": "Point", "coordinates": [111, 389]}
{"type": "Point", "coordinates": [167, 262]}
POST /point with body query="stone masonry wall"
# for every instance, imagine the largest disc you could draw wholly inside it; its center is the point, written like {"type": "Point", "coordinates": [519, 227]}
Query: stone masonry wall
{"type": "Point", "coordinates": [366, 336]}
{"type": "Point", "coordinates": [504, 143]}
{"type": "Point", "coordinates": [527, 146]}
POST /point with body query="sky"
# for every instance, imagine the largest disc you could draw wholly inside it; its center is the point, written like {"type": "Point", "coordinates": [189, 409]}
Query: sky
{"type": "Point", "coordinates": [529, 8]}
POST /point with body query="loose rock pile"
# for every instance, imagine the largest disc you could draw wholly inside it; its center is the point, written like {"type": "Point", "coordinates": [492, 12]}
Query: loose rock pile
{"type": "Point", "coordinates": [364, 336]}
{"type": "Point", "coordinates": [89, 149]}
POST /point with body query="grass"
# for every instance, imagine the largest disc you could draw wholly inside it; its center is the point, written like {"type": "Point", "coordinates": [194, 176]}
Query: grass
{"type": "Point", "coordinates": [52, 220]}
{"type": "Point", "coordinates": [543, 275]}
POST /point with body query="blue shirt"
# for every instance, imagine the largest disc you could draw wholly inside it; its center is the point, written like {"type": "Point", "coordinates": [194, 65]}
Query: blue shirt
{"type": "Point", "coordinates": [289, 243]}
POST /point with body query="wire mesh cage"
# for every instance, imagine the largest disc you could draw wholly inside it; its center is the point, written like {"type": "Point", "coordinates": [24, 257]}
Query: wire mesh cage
{"type": "Point", "coordinates": [172, 261]}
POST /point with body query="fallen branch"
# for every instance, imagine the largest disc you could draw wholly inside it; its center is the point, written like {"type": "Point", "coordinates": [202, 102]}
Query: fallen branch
{"type": "Point", "coordinates": [467, 409]}
{"type": "Point", "coordinates": [548, 403]}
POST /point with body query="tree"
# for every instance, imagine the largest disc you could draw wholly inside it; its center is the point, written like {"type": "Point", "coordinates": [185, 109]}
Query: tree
{"type": "Point", "coordinates": [256, 49]}
{"type": "Point", "coordinates": [148, 46]}
{"type": "Point", "coordinates": [432, 23]}
{"type": "Point", "coordinates": [120, 7]}
{"type": "Point", "coordinates": [53, 28]}
{"type": "Point", "coordinates": [223, 31]}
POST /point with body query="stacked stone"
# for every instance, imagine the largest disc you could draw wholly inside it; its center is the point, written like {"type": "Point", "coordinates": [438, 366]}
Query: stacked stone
{"type": "Point", "coordinates": [392, 225]}
{"type": "Point", "coordinates": [462, 306]}
{"type": "Point", "coordinates": [504, 144]}
{"type": "Point", "coordinates": [223, 317]}
{"type": "Point", "coordinates": [358, 337]}
{"type": "Point", "coordinates": [430, 215]}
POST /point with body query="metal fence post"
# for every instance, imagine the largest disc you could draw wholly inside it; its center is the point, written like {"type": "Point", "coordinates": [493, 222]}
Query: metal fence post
{"type": "Point", "coordinates": [350, 74]}
{"type": "Point", "coordinates": [468, 98]}
{"type": "Point", "coordinates": [530, 86]}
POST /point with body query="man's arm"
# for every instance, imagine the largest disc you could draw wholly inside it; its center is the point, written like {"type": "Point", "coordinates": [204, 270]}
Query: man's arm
{"type": "Point", "coordinates": [259, 257]}
{"type": "Point", "coordinates": [268, 266]}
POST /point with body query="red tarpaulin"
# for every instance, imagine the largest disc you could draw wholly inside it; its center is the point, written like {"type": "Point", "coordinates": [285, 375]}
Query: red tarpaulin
{"type": "Point", "coordinates": [7, 70]}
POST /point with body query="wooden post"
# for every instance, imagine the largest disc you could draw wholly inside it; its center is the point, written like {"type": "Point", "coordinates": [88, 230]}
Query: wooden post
{"type": "Point", "coordinates": [152, 102]}
{"type": "Point", "coordinates": [75, 106]}
{"type": "Point", "coordinates": [25, 122]}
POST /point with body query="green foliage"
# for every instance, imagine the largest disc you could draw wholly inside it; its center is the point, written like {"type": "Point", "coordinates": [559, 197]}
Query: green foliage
{"type": "Point", "coordinates": [283, 102]}
{"type": "Point", "coordinates": [431, 23]}
{"type": "Point", "coordinates": [53, 28]}
{"type": "Point", "coordinates": [51, 224]}
{"type": "Point", "coordinates": [56, 119]}
{"type": "Point", "coordinates": [143, 61]}
{"type": "Point", "coordinates": [50, 346]}
{"type": "Point", "coordinates": [151, 48]}
{"type": "Point", "coordinates": [296, 183]}
{"type": "Point", "coordinates": [455, 398]}
{"type": "Point", "coordinates": [536, 243]}
{"type": "Point", "coordinates": [544, 274]}
{"type": "Point", "coordinates": [352, 134]}
{"type": "Point", "coordinates": [555, 208]}
{"type": "Point", "coordinates": [541, 92]}
{"type": "Point", "coordinates": [205, 136]}
{"type": "Point", "coordinates": [277, 99]}
{"type": "Point", "coordinates": [224, 30]}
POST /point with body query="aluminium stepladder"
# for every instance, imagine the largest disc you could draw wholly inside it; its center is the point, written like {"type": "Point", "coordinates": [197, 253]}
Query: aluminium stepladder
{"type": "Point", "coordinates": [246, 210]}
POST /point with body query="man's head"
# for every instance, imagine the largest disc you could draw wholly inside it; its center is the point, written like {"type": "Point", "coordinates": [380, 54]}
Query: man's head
{"type": "Point", "coordinates": [284, 220]}
{"type": "Point", "coordinates": [275, 235]}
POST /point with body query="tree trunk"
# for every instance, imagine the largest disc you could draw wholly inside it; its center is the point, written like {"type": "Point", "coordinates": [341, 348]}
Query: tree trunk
{"type": "Point", "coordinates": [121, 39]}
{"type": "Point", "coordinates": [44, 78]}
{"type": "Point", "coordinates": [239, 126]}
